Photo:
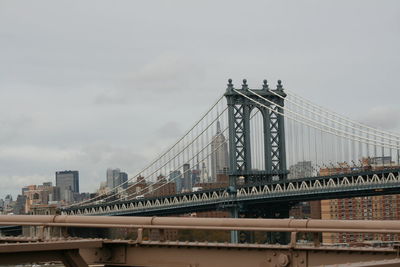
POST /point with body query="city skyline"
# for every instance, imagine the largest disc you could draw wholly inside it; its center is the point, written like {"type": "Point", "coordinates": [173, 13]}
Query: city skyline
{"type": "Point", "coordinates": [61, 88]}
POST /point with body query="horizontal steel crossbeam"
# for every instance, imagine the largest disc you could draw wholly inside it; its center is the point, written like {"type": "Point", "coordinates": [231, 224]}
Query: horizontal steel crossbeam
{"type": "Point", "coordinates": [80, 253]}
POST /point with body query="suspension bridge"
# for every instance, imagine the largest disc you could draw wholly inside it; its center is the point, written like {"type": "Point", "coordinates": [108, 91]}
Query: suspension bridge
{"type": "Point", "coordinates": [274, 147]}
{"type": "Point", "coordinates": [254, 153]}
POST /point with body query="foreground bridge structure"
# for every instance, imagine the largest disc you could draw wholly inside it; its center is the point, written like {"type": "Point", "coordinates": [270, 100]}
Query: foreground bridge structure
{"type": "Point", "coordinates": [80, 252]}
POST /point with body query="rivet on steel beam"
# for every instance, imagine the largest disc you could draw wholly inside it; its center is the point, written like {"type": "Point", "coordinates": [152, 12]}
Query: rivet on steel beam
{"type": "Point", "coordinates": [283, 260]}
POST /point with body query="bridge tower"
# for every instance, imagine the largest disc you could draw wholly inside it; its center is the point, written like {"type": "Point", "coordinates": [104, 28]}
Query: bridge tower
{"type": "Point", "coordinates": [239, 110]}
{"type": "Point", "coordinates": [240, 106]}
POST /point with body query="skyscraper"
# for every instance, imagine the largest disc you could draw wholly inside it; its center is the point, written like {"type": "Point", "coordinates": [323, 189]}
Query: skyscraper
{"type": "Point", "coordinates": [204, 173]}
{"type": "Point", "coordinates": [176, 177]}
{"type": "Point", "coordinates": [116, 178]}
{"type": "Point", "coordinates": [219, 155]}
{"type": "Point", "coordinates": [112, 175]}
{"type": "Point", "coordinates": [68, 182]}
{"type": "Point", "coordinates": [195, 176]}
{"type": "Point", "coordinates": [187, 177]}
{"type": "Point", "coordinates": [123, 178]}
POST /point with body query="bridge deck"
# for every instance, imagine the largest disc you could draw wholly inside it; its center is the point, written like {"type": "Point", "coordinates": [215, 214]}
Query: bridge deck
{"type": "Point", "coordinates": [364, 183]}
{"type": "Point", "coordinates": [81, 253]}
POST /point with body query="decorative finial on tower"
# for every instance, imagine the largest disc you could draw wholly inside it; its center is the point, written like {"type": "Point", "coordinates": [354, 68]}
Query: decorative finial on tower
{"type": "Point", "coordinates": [265, 85]}
{"type": "Point", "coordinates": [279, 86]}
{"type": "Point", "coordinates": [230, 84]}
{"type": "Point", "coordinates": [244, 85]}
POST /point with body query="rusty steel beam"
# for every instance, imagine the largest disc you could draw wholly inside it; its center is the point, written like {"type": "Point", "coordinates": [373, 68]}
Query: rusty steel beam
{"type": "Point", "coordinates": [17, 239]}
{"type": "Point", "coordinates": [79, 253]}
{"type": "Point", "coordinates": [226, 228]}
{"type": "Point", "coordinates": [159, 254]}
{"type": "Point", "coordinates": [49, 245]}
{"type": "Point", "coordinates": [290, 225]}
{"type": "Point", "coordinates": [14, 258]}
{"type": "Point", "coordinates": [70, 258]}
{"type": "Point", "coordinates": [219, 255]}
{"type": "Point", "coordinates": [382, 263]}
{"type": "Point", "coordinates": [66, 251]}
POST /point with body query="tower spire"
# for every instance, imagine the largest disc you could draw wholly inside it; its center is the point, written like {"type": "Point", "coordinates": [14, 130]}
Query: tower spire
{"type": "Point", "coordinates": [218, 127]}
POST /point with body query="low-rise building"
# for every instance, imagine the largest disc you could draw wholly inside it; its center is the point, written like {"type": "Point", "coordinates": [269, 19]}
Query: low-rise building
{"type": "Point", "coordinates": [385, 207]}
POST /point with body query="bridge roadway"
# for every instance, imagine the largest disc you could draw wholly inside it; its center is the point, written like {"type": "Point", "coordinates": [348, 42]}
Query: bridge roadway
{"type": "Point", "coordinates": [78, 252]}
{"type": "Point", "coordinates": [354, 184]}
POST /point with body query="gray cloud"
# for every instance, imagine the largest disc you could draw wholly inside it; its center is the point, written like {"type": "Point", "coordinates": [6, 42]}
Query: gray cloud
{"type": "Point", "coordinates": [166, 74]}
{"type": "Point", "coordinates": [91, 85]}
{"type": "Point", "coordinates": [11, 127]}
{"type": "Point", "coordinates": [385, 117]}
{"type": "Point", "coordinates": [91, 160]}
{"type": "Point", "coordinates": [169, 130]}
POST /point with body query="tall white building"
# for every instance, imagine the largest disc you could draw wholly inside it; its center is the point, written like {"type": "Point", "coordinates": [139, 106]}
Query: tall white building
{"type": "Point", "coordinates": [219, 156]}
{"type": "Point", "coordinates": [204, 178]}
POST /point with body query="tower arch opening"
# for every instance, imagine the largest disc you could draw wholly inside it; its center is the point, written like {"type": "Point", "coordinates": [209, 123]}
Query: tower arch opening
{"type": "Point", "coordinates": [257, 142]}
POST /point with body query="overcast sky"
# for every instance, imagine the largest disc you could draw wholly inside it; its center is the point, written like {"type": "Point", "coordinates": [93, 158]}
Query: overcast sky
{"type": "Point", "coordinates": [88, 85]}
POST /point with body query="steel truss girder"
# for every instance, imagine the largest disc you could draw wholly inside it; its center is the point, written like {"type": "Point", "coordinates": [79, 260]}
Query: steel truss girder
{"type": "Point", "coordinates": [304, 189]}
{"type": "Point", "coordinates": [239, 138]}
{"type": "Point", "coordinates": [208, 254]}
{"type": "Point", "coordinates": [165, 253]}
{"type": "Point", "coordinates": [65, 251]}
